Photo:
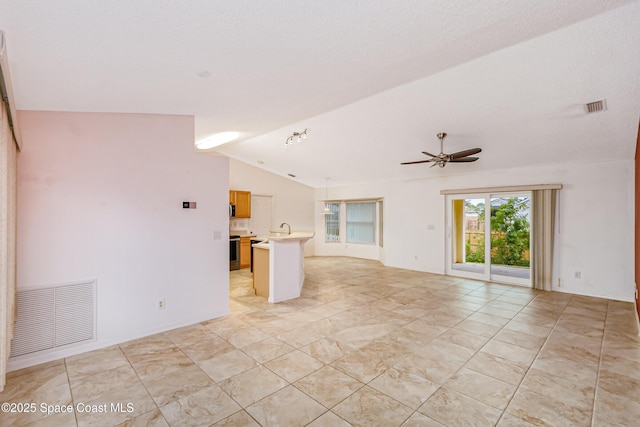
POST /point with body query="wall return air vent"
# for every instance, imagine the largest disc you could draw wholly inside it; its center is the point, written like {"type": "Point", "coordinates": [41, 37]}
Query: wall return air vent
{"type": "Point", "coordinates": [53, 318]}
{"type": "Point", "coordinates": [595, 106]}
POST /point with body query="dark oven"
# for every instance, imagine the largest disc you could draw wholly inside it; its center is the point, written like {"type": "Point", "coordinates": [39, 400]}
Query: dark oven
{"type": "Point", "coordinates": [234, 252]}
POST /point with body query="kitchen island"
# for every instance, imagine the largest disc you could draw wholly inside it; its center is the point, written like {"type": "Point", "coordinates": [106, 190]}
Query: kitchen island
{"type": "Point", "coordinates": [278, 271]}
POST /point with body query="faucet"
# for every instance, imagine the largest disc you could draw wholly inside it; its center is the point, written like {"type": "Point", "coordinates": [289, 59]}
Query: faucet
{"type": "Point", "coordinates": [283, 224]}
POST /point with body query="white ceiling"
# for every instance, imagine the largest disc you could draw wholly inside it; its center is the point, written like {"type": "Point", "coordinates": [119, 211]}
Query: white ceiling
{"type": "Point", "coordinates": [374, 80]}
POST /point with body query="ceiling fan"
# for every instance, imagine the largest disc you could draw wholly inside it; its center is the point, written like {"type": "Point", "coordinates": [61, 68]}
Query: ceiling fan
{"type": "Point", "coordinates": [442, 159]}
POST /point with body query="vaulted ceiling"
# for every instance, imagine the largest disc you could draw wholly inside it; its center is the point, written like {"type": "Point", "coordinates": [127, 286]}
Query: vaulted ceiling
{"type": "Point", "coordinates": [373, 81]}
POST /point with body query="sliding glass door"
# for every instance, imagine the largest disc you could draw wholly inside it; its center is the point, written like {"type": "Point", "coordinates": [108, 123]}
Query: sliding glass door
{"type": "Point", "coordinates": [489, 237]}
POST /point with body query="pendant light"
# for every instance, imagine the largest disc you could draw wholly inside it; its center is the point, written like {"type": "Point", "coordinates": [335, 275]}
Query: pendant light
{"type": "Point", "coordinates": [326, 210]}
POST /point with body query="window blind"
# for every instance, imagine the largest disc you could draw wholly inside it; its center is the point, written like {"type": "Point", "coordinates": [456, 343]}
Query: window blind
{"type": "Point", "coordinates": [361, 223]}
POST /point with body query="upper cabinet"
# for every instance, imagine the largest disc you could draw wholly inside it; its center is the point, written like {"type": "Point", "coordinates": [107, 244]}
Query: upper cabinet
{"type": "Point", "coordinates": [242, 200]}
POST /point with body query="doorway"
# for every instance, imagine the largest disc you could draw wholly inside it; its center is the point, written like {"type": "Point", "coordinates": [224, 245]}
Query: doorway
{"type": "Point", "coordinates": [261, 214]}
{"type": "Point", "coordinates": [241, 281]}
{"type": "Point", "coordinates": [489, 237]}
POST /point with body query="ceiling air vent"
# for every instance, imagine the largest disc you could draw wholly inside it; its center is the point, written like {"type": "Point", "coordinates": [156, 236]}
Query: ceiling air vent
{"type": "Point", "coordinates": [595, 107]}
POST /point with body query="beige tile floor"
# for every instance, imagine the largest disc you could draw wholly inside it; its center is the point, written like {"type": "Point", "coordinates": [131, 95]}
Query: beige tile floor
{"type": "Point", "coordinates": [365, 345]}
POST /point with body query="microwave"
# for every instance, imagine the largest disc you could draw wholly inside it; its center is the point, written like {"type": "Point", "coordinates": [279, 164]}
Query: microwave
{"type": "Point", "coordinates": [232, 210]}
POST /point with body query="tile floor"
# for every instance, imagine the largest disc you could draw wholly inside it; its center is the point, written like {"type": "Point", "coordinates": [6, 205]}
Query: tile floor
{"type": "Point", "coordinates": [366, 345]}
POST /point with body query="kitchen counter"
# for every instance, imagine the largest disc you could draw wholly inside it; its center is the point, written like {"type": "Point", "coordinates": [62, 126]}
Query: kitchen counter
{"type": "Point", "coordinates": [242, 233]}
{"type": "Point", "coordinates": [282, 259]}
{"type": "Point", "coordinates": [294, 235]}
{"type": "Point", "coordinates": [261, 245]}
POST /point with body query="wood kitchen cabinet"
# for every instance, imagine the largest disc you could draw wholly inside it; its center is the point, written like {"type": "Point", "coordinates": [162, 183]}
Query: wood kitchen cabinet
{"type": "Point", "coordinates": [242, 200]}
{"type": "Point", "coordinates": [245, 252]}
{"type": "Point", "coordinates": [261, 272]}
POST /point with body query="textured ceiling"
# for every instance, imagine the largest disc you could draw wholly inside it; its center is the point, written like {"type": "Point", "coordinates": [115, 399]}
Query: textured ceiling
{"type": "Point", "coordinates": [374, 80]}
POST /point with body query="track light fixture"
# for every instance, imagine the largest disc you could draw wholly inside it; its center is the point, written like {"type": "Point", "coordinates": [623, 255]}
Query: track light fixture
{"type": "Point", "coordinates": [296, 137]}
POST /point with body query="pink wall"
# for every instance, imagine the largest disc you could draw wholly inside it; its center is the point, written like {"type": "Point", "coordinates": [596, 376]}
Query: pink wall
{"type": "Point", "coordinates": [100, 197]}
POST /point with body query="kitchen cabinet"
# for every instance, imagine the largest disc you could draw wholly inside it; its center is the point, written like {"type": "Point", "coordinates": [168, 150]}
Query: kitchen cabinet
{"type": "Point", "coordinates": [245, 252]}
{"type": "Point", "coordinates": [261, 272]}
{"type": "Point", "coordinates": [242, 201]}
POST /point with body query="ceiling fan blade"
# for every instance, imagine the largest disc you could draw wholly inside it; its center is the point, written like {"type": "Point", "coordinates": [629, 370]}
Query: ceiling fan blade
{"type": "Point", "coordinates": [464, 160]}
{"type": "Point", "coordinates": [464, 153]}
{"type": "Point", "coordinates": [428, 154]}
{"type": "Point", "coordinates": [413, 163]}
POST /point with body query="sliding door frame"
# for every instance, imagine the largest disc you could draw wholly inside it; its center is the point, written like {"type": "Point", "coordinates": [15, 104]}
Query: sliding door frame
{"type": "Point", "coordinates": [486, 274]}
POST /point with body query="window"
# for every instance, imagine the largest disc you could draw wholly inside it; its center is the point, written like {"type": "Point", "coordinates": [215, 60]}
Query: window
{"type": "Point", "coordinates": [359, 220]}
{"type": "Point", "coordinates": [361, 223]}
{"type": "Point", "coordinates": [332, 224]}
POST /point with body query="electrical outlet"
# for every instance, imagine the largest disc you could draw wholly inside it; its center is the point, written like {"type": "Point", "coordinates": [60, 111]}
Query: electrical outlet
{"type": "Point", "coordinates": [161, 304]}
{"type": "Point", "coordinates": [559, 283]}
{"type": "Point", "coordinates": [577, 275]}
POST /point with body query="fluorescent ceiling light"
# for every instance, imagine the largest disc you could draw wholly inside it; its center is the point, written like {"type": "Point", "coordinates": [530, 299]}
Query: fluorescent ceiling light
{"type": "Point", "coordinates": [216, 140]}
